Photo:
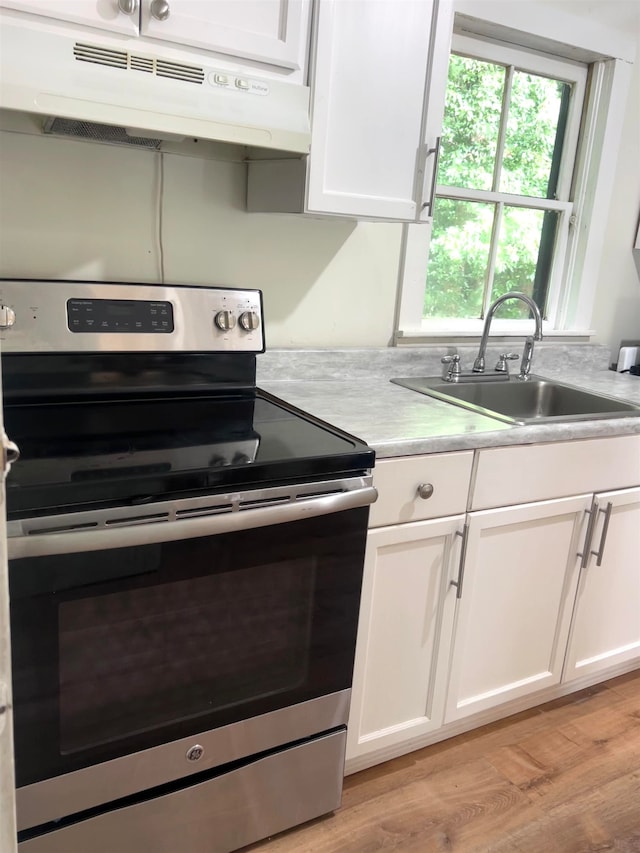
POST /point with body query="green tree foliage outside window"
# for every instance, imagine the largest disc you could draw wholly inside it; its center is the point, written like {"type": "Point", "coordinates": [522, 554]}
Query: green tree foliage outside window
{"type": "Point", "coordinates": [507, 145]}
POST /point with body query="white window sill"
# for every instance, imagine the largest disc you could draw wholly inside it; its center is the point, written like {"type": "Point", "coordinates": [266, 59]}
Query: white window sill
{"type": "Point", "coordinates": [473, 330]}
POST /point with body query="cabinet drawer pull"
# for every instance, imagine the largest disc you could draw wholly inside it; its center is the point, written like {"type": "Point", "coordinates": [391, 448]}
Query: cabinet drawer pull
{"type": "Point", "coordinates": [464, 533]}
{"type": "Point", "coordinates": [605, 529]}
{"type": "Point", "coordinates": [424, 491]}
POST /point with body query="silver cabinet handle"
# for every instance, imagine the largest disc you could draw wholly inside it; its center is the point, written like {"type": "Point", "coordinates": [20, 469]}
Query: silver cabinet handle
{"type": "Point", "coordinates": [424, 491]}
{"type": "Point", "coordinates": [584, 554]}
{"type": "Point", "coordinates": [605, 529]}
{"type": "Point", "coordinates": [434, 177]}
{"type": "Point", "coordinates": [160, 10]}
{"type": "Point", "coordinates": [464, 533]}
{"type": "Point", "coordinates": [128, 7]}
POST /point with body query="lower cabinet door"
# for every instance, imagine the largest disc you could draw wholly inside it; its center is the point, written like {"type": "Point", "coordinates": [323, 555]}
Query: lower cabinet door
{"type": "Point", "coordinates": [606, 622]}
{"type": "Point", "coordinates": [406, 617]}
{"type": "Point", "coordinates": [519, 582]}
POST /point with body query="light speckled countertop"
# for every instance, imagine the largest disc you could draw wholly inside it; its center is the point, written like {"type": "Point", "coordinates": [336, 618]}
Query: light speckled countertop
{"type": "Point", "coordinates": [351, 389]}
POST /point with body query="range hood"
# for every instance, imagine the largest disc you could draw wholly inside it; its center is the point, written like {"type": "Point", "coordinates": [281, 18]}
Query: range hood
{"type": "Point", "coordinates": [101, 81]}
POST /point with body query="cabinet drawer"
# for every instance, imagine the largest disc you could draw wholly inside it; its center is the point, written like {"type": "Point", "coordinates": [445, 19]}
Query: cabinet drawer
{"type": "Point", "coordinates": [513, 475]}
{"type": "Point", "coordinates": [397, 481]}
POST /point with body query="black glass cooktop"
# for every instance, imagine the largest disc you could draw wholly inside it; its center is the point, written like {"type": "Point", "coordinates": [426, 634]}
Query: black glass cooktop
{"type": "Point", "coordinates": [83, 454]}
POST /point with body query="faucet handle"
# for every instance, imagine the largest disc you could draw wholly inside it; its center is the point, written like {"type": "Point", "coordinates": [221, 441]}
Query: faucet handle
{"type": "Point", "coordinates": [451, 373]}
{"type": "Point", "coordinates": [502, 366]}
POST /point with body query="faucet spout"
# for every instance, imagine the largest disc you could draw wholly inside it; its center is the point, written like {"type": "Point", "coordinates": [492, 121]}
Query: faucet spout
{"type": "Point", "coordinates": [479, 363]}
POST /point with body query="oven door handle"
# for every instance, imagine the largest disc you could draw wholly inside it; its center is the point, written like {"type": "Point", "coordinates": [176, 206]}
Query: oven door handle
{"type": "Point", "coordinates": [149, 532]}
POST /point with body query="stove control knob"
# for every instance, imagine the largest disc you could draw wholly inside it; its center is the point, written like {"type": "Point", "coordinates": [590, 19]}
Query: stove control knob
{"type": "Point", "coordinates": [7, 317]}
{"type": "Point", "coordinates": [225, 320]}
{"type": "Point", "coordinates": [249, 321]}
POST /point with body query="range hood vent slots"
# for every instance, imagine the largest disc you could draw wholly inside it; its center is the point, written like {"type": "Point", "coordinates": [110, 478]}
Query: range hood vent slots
{"type": "Point", "coordinates": [100, 55]}
{"type": "Point", "coordinates": [97, 55]}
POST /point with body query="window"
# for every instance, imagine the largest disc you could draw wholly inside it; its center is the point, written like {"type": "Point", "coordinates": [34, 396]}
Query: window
{"type": "Point", "coordinates": [502, 202]}
{"type": "Point", "coordinates": [522, 158]}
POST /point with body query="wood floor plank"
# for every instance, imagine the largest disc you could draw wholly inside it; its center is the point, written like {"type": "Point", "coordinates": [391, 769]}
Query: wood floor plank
{"type": "Point", "coordinates": [591, 751]}
{"type": "Point", "coordinates": [605, 818]}
{"type": "Point", "coordinates": [626, 685]}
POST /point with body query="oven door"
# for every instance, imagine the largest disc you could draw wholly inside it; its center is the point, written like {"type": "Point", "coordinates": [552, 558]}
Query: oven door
{"type": "Point", "coordinates": [129, 637]}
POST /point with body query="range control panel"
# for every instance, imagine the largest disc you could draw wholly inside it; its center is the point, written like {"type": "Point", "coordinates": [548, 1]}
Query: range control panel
{"type": "Point", "coordinates": [119, 315]}
{"type": "Point", "coordinates": [60, 316]}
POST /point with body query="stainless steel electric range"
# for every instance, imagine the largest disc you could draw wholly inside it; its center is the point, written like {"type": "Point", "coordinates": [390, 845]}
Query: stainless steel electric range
{"type": "Point", "coordinates": [185, 564]}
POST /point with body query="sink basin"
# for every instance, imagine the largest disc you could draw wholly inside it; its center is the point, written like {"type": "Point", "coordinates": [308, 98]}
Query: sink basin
{"type": "Point", "coordinates": [514, 401]}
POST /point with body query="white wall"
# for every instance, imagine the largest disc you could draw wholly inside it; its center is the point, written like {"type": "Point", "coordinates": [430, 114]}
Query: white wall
{"type": "Point", "coordinates": [616, 314]}
{"type": "Point", "coordinates": [74, 209]}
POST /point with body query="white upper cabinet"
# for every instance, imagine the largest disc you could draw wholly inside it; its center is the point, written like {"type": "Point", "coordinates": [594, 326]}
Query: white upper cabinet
{"type": "Point", "coordinates": [271, 32]}
{"type": "Point", "coordinates": [368, 89]}
{"type": "Point", "coordinates": [104, 14]}
{"type": "Point", "coordinates": [378, 83]}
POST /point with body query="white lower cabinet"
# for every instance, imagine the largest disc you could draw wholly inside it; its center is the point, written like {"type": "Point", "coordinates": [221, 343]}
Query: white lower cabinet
{"type": "Point", "coordinates": [406, 617]}
{"type": "Point", "coordinates": [606, 622]}
{"type": "Point", "coordinates": [538, 597]}
{"type": "Point", "coordinates": [408, 603]}
{"type": "Point", "coordinates": [514, 614]}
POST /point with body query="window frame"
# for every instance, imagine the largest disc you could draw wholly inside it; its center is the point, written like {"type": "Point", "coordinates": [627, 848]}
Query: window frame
{"type": "Point", "coordinates": [579, 247]}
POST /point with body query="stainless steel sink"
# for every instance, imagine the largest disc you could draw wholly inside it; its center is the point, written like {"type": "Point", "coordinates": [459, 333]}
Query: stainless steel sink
{"type": "Point", "coordinates": [514, 401]}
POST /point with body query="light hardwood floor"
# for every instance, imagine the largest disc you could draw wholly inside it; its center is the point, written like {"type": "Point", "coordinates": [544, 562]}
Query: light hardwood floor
{"type": "Point", "coordinates": [560, 778]}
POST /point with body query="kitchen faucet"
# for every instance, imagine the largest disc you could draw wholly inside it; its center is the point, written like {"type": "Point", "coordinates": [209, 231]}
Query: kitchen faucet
{"type": "Point", "coordinates": [527, 355]}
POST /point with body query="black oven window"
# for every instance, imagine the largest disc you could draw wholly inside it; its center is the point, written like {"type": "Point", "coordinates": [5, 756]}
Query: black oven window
{"type": "Point", "coordinates": [134, 660]}
{"type": "Point", "coordinates": [119, 650]}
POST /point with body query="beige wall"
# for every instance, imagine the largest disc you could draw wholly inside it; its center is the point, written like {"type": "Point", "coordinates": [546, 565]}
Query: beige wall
{"type": "Point", "coordinates": [72, 209]}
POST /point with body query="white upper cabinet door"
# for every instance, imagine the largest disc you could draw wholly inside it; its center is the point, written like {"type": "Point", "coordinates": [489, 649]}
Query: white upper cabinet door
{"type": "Point", "coordinates": [274, 32]}
{"type": "Point", "coordinates": [518, 589]}
{"type": "Point", "coordinates": [368, 91]}
{"type": "Point", "coordinates": [434, 115]}
{"type": "Point", "coordinates": [117, 16]}
{"type": "Point", "coordinates": [606, 622]}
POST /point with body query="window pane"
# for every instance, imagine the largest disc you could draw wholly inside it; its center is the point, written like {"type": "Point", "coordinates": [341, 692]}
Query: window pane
{"type": "Point", "coordinates": [458, 258]}
{"type": "Point", "coordinates": [517, 258]}
{"type": "Point", "coordinates": [471, 123]}
{"type": "Point", "coordinates": [535, 127]}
